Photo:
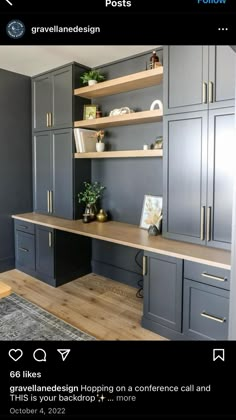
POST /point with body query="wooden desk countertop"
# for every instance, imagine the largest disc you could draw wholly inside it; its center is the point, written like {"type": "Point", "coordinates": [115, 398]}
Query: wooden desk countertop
{"type": "Point", "coordinates": [134, 237]}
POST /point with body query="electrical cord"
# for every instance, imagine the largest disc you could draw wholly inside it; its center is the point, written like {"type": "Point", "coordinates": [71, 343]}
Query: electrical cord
{"type": "Point", "coordinates": [139, 293]}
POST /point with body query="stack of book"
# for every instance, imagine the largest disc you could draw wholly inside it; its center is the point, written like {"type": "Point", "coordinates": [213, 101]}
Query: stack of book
{"type": "Point", "coordinates": [85, 140]}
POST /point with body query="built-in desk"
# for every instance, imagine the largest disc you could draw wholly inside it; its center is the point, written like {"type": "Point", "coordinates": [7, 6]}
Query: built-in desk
{"type": "Point", "coordinates": [186, 286]}
{"type": "Point", "coordinates": [134, 237]}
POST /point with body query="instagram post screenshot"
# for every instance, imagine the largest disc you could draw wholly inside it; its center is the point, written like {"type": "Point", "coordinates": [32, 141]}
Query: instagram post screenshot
{"type": "Point", "coordinates": [117, 209]}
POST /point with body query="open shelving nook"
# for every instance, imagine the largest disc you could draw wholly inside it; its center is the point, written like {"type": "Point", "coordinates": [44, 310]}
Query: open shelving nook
{"type": "Point", "coordinates": [122, 84]}
{"type": "Point", "coordinates": [120, 154]}
{"type": "Point", "coordinates": [141, 80]}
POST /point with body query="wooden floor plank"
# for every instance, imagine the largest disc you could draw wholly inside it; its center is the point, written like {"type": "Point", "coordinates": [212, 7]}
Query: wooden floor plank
{"type": "Point", "coordinates": [103, 308]}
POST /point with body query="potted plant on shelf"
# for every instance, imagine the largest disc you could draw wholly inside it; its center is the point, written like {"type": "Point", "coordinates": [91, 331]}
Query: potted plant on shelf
{"type": "Point", "coordinates": [93, 191]}
{"type": "Point", "coordinates": [92, 77]}
{"type": "Point", "coordinates": [100, 146]}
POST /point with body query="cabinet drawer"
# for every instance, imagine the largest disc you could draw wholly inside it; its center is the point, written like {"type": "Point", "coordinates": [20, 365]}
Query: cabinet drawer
{"type": "Point", "coordinates": [25, 249]}
{"type": "Point", "coordinates": [206, 311]}
{"type": "Point", "coordinates": [207, 274]}
{"type": "Point", "coordinates": [24, 226]}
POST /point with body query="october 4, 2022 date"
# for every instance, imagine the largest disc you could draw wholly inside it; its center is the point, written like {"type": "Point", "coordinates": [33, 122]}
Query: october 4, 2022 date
{"type": "Point", "coordinates": [38, 411]}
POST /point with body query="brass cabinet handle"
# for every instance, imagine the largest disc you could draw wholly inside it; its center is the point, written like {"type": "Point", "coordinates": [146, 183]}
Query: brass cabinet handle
{"type": "Point", "coordinates": [209, 224]}
{"type": "Point", "coordinates": [48, 201]}
{"type": "Point", "coordinates": [23, 249]}
{"type": "Point", "coordinates": [50, 239]}
{"type": "Point", "coordinates": [23, 226]}
{"type": "Point", "coordinates": [50, 119]}
{"type": "Point", "coordinates": [144, 265]}
{"type": "Point", "coordinates": [211, 86]}
{"type": "Point", "coordinates": [204, 93]}
{"type": "Point", "coordinates": [210, 276]}
{"type": "Point", "coordinates": [47, 119]}
{"type": "Point", "coordinates": [213, 318]}
{"type": "Point", "coordinates": [202, 222]}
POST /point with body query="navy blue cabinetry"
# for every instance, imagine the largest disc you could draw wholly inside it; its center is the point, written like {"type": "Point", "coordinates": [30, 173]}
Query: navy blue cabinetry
{"type": "Point", "coordinates": [50, 255]}
{"type": "Point", "coordinates": [162, 312]}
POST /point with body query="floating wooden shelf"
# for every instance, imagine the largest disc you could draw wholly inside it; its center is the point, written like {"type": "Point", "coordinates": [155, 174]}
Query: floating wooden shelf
{"type": "Point", "coordinates": [127, 83]}
{"type": "Point", "coordinates": [125, 119]}
{"type": "Point", "coordinates": [120, 154]}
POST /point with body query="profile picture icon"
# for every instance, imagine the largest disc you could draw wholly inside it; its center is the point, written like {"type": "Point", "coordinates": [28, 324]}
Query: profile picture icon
{"type": "Point", "coordinates": [15, 29]}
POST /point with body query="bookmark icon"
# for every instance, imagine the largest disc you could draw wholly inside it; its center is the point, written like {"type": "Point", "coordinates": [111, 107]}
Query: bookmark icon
{"type": "Point", "coordinates": [64, 353]}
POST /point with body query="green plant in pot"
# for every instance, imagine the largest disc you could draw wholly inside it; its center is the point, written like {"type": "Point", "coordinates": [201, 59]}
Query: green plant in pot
{"type": "Point", "coordinates": [89, 196]}
{"type": "Point", "coordinates": [92, 77]}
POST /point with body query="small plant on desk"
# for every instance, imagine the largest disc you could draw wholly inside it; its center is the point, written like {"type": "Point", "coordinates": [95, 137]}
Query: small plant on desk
{"type": "Point", "coordinates": [90, 196]}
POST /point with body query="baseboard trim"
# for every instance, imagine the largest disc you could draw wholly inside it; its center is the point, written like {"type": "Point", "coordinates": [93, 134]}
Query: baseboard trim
{"type": "Point", "coordinates": [163, 331]}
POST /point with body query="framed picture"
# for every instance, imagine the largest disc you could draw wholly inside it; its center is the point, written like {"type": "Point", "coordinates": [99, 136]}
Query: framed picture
{"type": "Point", "coordinates": [90, 112]}
{"type": "Point", "coordinates": [152, 210]}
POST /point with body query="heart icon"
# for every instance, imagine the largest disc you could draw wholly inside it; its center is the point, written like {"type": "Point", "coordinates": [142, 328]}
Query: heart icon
{"type": "Point", "coordinates": [15, 354]}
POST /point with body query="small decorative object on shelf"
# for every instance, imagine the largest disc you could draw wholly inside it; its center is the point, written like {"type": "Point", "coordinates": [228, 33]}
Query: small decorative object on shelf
{"type": "Point", "coordinates": [155, 103]}
{"type": "Point", "coordinates": [90, 196]}
{"type": "Point", "coordinates": [90, 112]}
{"type": "Point", "coordinates": [145, 147]}
{"type": "Point", "coordinates": [100, 146]}
{"type": "Point", "coordinates": [92, 77]}
{"type": "Point", "coordinates": [98, 113]}
{"type": "Point", "coordinates": [158, 144]}
{"type": "Point", "coordinates": [154, 60]}
{"type": "Point", "coordinates": [120, 111]}
{"type": "Point", "coordinates": [102, 216]}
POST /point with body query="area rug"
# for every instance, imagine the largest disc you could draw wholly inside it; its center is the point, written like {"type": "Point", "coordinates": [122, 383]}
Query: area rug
{"type": "Point", "coordinates": [23, 320]}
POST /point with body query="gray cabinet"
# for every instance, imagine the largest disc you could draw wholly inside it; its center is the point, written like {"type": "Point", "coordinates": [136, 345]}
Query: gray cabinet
{"type": "Point", "coordinates": [54, 105]}
{"type": "Point", "coordinates": [52, 256]}
{"type": "Point", "coordinates": [45, 251]}
{"type": "Point", "coordinates": [206, 302]}
{"type": "Point", "coordinates": [222, 70]}
{"type": "Point", "coordinates": [198, 78]}
{"type": "Point", "coordinates": [24, 250]}
{"type": "Point", "coordinates": [42, 168]}
{"type": "Point", "coordinates": [162, 309]}
{"type": "Point", "coordinates": [185, 175]}
{"type": "Point", "coordinates": [198, 177]}
{"type": "Point", "coordinates": [42, 101]}
{"type": "Point", "coordinates": [221, 165]}
{"type": "Point", "coordinates": [53, 173]}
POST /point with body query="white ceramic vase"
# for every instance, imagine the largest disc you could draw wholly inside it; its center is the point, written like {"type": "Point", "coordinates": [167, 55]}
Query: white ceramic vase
{"type": "Point", "coordinates": [92, 82]}
{"type": "Point", "coordinates": [100, 147]}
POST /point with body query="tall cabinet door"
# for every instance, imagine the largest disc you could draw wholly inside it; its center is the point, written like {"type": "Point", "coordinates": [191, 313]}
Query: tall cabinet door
{"type": "Point", "coordinates": [42, 101]}
{"type": "Point", "coordinates": [222, 70]}
{"type": "Point", "coordinates": [62, 98]}
{"type": "Point", "coordinates": [62, 173]}
{"type": "Point", "coordinates": [221, 165]}
{"type": "Point", "coordinates": [185, 171]}
{"type": "Point", "coordinates": [42, 171]}
{"type": "Point", "coordinates": [185, 78]}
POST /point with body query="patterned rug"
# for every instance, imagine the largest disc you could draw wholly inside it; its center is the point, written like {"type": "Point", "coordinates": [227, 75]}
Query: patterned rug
{"type": "Point", "coordinates": [23, 320]}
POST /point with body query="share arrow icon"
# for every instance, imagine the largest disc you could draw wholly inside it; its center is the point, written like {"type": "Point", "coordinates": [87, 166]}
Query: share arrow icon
{"type": "Point", "coordinates": [64, 353]}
